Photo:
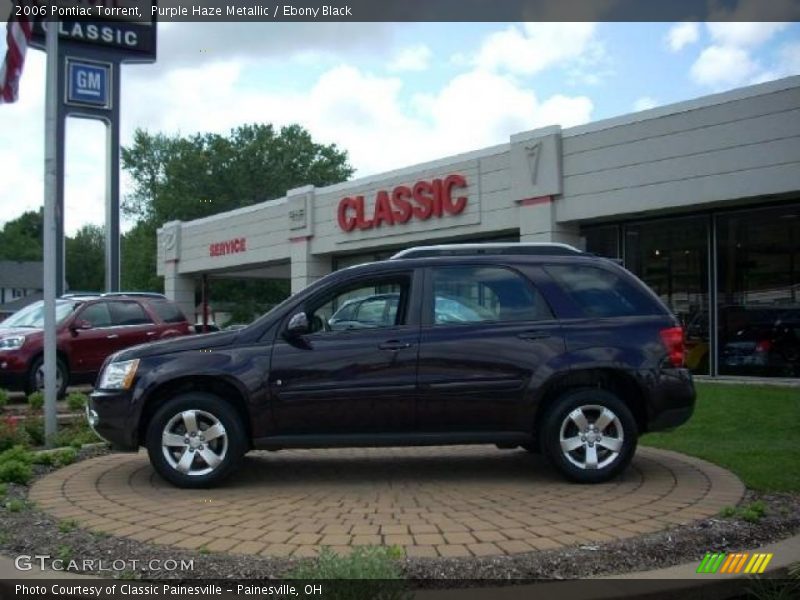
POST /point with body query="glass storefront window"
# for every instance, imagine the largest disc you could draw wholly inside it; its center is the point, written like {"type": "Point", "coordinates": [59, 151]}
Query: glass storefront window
{"type": "Point", "coordinates": [758, 292]}
{"type": "Point", "coordinates": [603, 241]}
{"type": "Point", "coordinates": [671, 256]}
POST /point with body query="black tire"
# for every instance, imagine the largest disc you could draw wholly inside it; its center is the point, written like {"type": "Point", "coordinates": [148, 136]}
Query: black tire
{"type": "Point", "coordinates": [620, 433]}
{"type": "Point", "coordinates": [31, 384]}
{"type": "Point", "coordinates": [207, 408]}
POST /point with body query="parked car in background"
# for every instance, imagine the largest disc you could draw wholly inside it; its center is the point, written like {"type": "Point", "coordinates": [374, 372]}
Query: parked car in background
{"type": "Point", "coordinates": [543, 347]}
{"type": "Point", "coordinates": [89, 329]}
{"type": "Point", "coordinates": [765, 342]}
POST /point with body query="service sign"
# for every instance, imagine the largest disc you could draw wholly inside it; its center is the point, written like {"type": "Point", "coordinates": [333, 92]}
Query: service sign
{"type": "Point", "coordinates": [124, 27]}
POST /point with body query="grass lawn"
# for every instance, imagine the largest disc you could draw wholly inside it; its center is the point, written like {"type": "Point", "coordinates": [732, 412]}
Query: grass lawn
{"type": "Point", "coordinates": [752, 430]}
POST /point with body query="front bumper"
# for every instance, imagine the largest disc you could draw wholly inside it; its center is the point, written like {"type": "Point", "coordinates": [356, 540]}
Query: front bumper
{"type": "Point", "coordinates": [109, 414]}
{"type": "Point", "coordinates": [13, 371]}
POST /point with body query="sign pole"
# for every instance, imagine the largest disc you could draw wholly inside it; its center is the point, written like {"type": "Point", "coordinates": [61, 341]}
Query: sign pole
{"type": "Point", "coordinates": [50, 233]}
{"type": "Point", "coordinates": [112, 185]}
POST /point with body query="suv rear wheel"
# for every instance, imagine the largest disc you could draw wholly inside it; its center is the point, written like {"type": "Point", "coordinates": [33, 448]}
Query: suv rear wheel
{"type": "Point", "coordinates": [589, 435]}
{"type": "Point", "coordinates": [195, 440]}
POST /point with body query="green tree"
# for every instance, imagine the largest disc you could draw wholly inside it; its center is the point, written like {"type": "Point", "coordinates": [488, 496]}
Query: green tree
{"type": "Point", "coordinates": [85, 259]}
{"type": "Point", "coordinates": [191, 177]}
{"type": "Point", "coordinates": [21, 238]}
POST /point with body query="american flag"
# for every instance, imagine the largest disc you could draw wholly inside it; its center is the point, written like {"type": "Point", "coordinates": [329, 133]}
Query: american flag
{"type": "Point", "coordinates": [18, 34]}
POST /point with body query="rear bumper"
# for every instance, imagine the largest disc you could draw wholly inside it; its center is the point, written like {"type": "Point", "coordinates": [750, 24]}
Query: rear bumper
{"type": "Point", "coordinates": [672, 399]}
{"type": "Point", "coordinates": [111, 413]}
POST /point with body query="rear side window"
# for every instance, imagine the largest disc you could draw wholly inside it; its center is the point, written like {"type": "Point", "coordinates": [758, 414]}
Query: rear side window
{"type": "Point", "coordinates": [475, 294]}
{"type": "Point", "coordinates": [168, 312]}
{"type": "Point", "coordinates": [128, 313]}
{"type": "Point", "coordinates": [602, 293]}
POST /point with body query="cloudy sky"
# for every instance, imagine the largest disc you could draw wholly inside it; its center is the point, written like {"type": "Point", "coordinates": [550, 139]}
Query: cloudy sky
{"type": "Point", "coordinates": [392, 95]}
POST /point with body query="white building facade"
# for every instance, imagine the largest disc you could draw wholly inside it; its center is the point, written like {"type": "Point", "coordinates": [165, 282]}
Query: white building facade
{"type": "Point", "coordinates": [700, 199]}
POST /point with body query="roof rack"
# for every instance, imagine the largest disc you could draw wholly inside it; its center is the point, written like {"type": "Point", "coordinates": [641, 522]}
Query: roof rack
{"type": "Point", "coordinates": [137, 294]}
{"type": "Point", "coordinates": [80, 295]}
{"type": "Point", "coordinates": [540, 249]}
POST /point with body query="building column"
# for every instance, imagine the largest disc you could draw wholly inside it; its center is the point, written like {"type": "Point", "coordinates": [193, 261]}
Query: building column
{"type": "Point", "coordinates": [180, 289]}
{"type": "Point", "coordinates": [177, 287]}
{"type": "Point", "coordinates": [537, 223]}
{"type": "Point", "coordinates": [306, 268]}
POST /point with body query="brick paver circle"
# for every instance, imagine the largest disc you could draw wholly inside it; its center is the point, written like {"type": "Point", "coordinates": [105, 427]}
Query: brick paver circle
{"type": "Point", "coordinates": [439, 501]}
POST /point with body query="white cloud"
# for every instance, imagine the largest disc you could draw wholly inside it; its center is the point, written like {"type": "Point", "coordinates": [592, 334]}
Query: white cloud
{"type": "Point", "coordinates": [382, 123]}
{"type": "Point", "coordinates": [411, 58]}
{"type": "Point", "coordinates": [682, 34]}
{"type": "Point", "coordinates": [723, 66]}
{"type": "Point", "coordinates": [534, 47]}
{"type": "Point", "coordinates": [644, 103]}
{"type": "Point", "coordinates": [743, 35]}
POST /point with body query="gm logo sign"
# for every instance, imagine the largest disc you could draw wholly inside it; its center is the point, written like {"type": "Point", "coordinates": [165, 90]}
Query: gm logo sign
{"type": "Point", "coordinates": [88, 83]}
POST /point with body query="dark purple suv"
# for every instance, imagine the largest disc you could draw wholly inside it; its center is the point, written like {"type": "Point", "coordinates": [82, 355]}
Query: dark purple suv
{"type": "Point", "coordinates": [538, 346]}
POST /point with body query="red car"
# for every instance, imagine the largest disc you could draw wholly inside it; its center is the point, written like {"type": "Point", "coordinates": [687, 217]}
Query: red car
{"type": "Point", "coordinates": [90, 328]}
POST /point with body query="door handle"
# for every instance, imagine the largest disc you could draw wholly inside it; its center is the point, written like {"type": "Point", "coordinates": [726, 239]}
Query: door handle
{"type": "Point", "coordinates": [394, 345]}
{"type": "Point", "coordinates": [151, 333]}
{"type": "Point", "coordinates": [113, 336]}
{"type": "Point", "coordinates": [534, 335]}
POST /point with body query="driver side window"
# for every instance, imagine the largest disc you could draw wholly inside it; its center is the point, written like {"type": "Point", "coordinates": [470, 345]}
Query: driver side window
{"type": "Point", "coordinates": [368, 304]}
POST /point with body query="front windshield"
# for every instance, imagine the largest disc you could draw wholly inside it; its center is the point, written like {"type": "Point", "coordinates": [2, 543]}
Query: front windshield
{"type": "Point", "coordinates": [33, 315]}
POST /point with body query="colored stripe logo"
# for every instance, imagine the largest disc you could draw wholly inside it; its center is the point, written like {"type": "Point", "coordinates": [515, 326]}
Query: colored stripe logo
{"type": "Point", "coordinates": [733, 563]}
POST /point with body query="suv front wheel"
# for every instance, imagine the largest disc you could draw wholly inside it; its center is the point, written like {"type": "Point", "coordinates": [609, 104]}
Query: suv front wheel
{"type": "Point", "coordinates": [589, 435]}
{"type": "Point", "coordinates": [195, 440]}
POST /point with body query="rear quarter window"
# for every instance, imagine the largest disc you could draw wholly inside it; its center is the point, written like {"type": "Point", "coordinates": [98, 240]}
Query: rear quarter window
{"type": "Point", "coordinates": [168, 312]}
{"type": "Point", "coordinates": [602, 293]}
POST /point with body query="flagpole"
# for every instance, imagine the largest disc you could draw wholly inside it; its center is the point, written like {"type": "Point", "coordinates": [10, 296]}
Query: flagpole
{"type": "Point", "coordinates": [49, 232]}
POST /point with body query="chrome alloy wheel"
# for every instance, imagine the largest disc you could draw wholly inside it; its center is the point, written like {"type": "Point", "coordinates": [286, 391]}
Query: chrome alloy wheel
{"type": "Point", "coordinates": [591, 437]}
{"type": "Point", "coordinates": [194, 442]}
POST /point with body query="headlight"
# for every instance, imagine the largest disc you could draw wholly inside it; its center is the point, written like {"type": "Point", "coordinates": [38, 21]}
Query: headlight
{"type": "Point", "coordinates": [12, 342]}
{"type": "Point", "coordinates": [118, 375]}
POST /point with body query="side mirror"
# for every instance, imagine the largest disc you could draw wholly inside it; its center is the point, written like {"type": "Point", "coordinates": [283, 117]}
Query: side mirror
{"type": "Point", "coordinates": [298, 325]}
{"type": "Point", "coordinates": [80, 324]}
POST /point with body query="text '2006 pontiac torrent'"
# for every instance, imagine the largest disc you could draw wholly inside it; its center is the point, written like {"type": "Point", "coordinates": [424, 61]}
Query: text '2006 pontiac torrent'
{"type": "Point", "coordinates": [539, 346]}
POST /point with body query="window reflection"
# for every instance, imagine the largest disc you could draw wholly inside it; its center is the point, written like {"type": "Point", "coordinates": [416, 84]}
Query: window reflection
{"type": "Point", "coordinates": [759, 292]}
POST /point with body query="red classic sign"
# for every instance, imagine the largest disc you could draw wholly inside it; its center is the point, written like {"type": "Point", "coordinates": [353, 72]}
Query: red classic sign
{"type": "Point", "coordinates": [229, 247]}
{"type": "Point", "coordinates": [423, 200]}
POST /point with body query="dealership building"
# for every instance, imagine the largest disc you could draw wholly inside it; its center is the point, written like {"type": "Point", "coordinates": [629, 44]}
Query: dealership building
{"type": "Point", "coordinates": [700, 199]}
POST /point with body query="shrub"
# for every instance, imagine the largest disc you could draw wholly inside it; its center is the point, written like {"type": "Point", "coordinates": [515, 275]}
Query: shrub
{"type": "Point", "coordinates": [17, 453]}
{"type": "Point", "coordinates": [64, 553]}
{"type": "Point", "coordinates": [34, 429]}
{"type": "Point", "coordinates": [43, 458]}
{"type": "Point", "coordinates": [15, 471]}
{"type": "Point", "coordinates": [76, 401]}
{"type": "Point", "coordinates": [76, 435]}
{"type": "Point", "coordinates": [365, 562]}
{"type": "Point", "coordinates": [3, 489]}
{"type": "Point", "coordinates": [67, 525]}
{"type": "Point", "coordinates": [15, 505]}
{"type": "Point", "coordinates": [11, 433]}
{"type": "Point", "coordinates": [3, 397]}
{"type": "Point", "coordinates": [36, 401]}
{"type": "Point", "coordinates": [64, 456]}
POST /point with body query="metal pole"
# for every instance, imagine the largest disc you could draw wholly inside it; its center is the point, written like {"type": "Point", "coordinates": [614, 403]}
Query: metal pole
{"type": "Point", "coordinates": [50, 231]}
{"type": "Point", "coordinates": [112, 186]}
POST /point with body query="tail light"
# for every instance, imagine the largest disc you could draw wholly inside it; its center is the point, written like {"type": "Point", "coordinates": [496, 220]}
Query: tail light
{"type": "Point", "coordinates": [764, 346]}
{"type": "Point", "coordinates": [673, 341]}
